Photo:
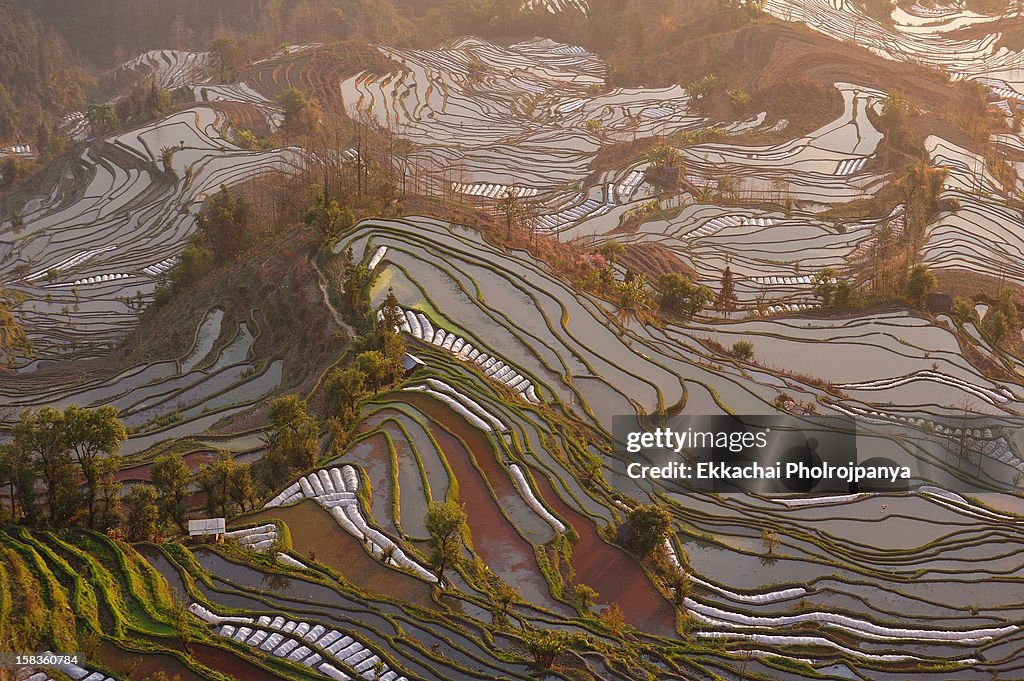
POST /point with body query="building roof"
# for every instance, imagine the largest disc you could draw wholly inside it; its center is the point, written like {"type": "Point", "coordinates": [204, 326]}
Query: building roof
{"type": "Point", "coordinates": [410, 362]}
{"type": "Point", "coordinates": [206, 526]}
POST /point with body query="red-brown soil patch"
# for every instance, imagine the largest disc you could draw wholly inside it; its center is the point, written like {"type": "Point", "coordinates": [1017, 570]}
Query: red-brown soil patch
{"type": "Point", "coordinates": [611, 572]}
{"type": "Point", "coordinates": [316, 534]}
{"type": "Point", "coordinates": [495, 540]}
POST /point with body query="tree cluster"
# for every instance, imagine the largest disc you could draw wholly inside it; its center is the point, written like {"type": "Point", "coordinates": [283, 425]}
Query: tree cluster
{"type": "Point", "coordinates": [227, 485]}
{"type": "Point", "coordinates": [353, 279]}
{"type": "Point", "coordinates": [1002, 319]}
{"type": "Point", "coordinates": [40, 80]}
{"type": "Point", "coordinates": [377, 367]}
{"type": "Point", "coordinates": [74, 453]}
{"type": "Point", "coordinates": [301, 114]}
{"type": "Point", "coordinates": [832, 291]}
{"type": "Point", "coordinates": [328, 217]}
{"type": "Point", "coordinates": [293, 444]}
{"type": "Point", "coordinates": [651, 525]}
{"type": "Point", "coordinates": [597, 270]}
{"type": "Point", "coordinates": [225, 223]}
{"type": "Point", "coordinates": [920, 283]}
{"type": "Point", "coordinates": [144, 101]}
{"type": "Point", "coordinates": [225, 233]}
{"type": "Point", "coordinates": [681, 295]}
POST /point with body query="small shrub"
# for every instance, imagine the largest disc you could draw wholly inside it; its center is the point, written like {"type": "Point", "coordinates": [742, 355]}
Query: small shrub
{"type": "Point", "coordinates": [743, 350]}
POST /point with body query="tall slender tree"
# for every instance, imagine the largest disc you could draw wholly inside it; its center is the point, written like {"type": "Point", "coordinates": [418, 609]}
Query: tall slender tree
{"type": "Point", "coordinates": [446, 523]}
{"type": "Point", "coordinates": [92, 435]}
{"type": "Point", "coordinates": [509, 206]}
{"type": "Point", "coordinates": [171, 477]}
{"type": "Point", "coordinates": [726, 300]}
{"type": "Point", "coordinates": [141, 520]}
{"type": "Point", "coordinates": [214, 480]}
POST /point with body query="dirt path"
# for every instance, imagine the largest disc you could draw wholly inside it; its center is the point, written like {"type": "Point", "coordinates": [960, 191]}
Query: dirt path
{"type": "Point", "coordinates": [338, 319]}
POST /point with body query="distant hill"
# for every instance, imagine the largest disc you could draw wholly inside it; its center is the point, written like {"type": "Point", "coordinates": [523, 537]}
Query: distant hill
{"type": "Point", "coordinates": [40, 80]}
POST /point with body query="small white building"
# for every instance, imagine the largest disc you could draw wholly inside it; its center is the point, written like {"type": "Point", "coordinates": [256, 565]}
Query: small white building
{"type": "Point", "coordinates": [207, 527]}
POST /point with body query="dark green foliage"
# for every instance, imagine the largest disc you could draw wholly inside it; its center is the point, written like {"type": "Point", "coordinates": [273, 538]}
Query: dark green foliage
{"type": "Point", "coordinates": [225, 223]}
{"type": "Point", "coordinates": [50, 443]}
{"type": "Point", "coordinates": [228, 57]}
{"type": "Point", "coordinates": [94, 436]}
{"type": "Point", "coordinates": [19, 475]}
{"type": "Point", "coordinates": [682, 295]}
{"type": "Point", "coordinates": [301, 115]}
{"type": "Point", "coordinates": [743, 350]}
{"type": "Point", "coordinates": [241, 490]}
{"type": "Point", "coordinates": [293, 441]}
{"type": "Point", "coordinates": [832, 291]}
{"type": "Point", "coordinates": [227, 485]}
{"type": "Point", "coordinates": [329, 218]}
{"type": "Point", "coordinates": [144, 102]}
{"type": "Point", "coordinates": [651, 525]}
{"type": "Point", "coordinates": [13, 340]}
{"type": "Point", "coordinates": [194, 262]}
{"type": "Point", "coordinates": [342, 392]}
{"type": "Point", "coordinates": [920, 282]}
{"type": "Point", "coordinates": [142, 516]}
{"type": "Point", "coordinates": [39, 438]}
{"type": "Point", "coordinates": [1002, 319]}
{"type": "Point", "coordinates": [171, 476]}
{"type": "Point", "coordinates": [545, 646]}
{"type": "Point", "coordinates": [726, 300]}
{"type": "Point", "coordinates": [354, 278]}
{"type": "Point", "coordinates": [963, 311]}
{"type": "Point", "coordinates": [825, 286]}
{"type": "Point", "coordinates": [446, 523]}
{"type": "Point", "coordinates": [374, 366]}
{"type": "Point", "coordinates": [633, 292]}
{"type": "Point", "coordinates": [102, 118]}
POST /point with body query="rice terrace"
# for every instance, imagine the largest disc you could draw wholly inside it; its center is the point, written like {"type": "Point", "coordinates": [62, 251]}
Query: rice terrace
{"type": "Point", "coordinates": [498, 339]}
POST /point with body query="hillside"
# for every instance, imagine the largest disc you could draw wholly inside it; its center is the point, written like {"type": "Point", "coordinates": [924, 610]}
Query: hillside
{"type": "Point", "coordinates": [785, 68]}
{"type": "Point", "coordinates": [39, 80]}
{"type": "Point", "coordinates": [393, 296]}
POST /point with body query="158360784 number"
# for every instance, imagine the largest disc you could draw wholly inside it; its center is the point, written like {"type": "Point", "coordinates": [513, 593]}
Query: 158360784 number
{"type": "Point", "coordinates": [46, 659]}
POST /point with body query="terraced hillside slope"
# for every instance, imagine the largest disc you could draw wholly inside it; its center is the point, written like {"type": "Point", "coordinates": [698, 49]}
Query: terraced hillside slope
{"type": "Point", "coordinates": [379, 306]}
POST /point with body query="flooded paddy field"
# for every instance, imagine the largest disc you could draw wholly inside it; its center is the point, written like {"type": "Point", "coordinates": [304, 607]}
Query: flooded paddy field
{"type": "Point", "coordinates": [879, 576]}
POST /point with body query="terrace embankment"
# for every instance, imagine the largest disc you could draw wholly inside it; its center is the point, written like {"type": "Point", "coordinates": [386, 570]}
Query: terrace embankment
{"type": "Point", "coordinates": [318, 71]}
{"type": "Point", "coordinates": [611, 572]}
{"type": "Point", "coordinates": [314, 533]}
{"type": "Point", "coordinates": [276, 284]}
{"type": "Point", "coordinates": [495, 539]}
{"type": "Point", "coordinates": [787, 69]}
{"type": "Point", "coordinates": [653, 260]}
